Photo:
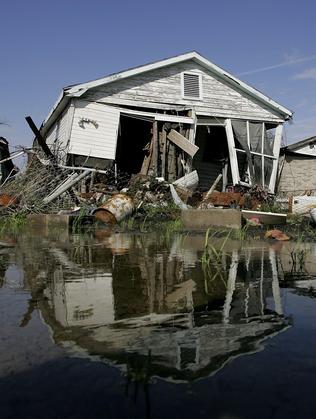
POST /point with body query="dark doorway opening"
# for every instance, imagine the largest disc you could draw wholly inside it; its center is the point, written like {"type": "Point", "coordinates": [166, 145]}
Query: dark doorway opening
{"type": "Point", "coordinates": [133, 136]}
{"type": "Point", "coordinates": [212, 157]}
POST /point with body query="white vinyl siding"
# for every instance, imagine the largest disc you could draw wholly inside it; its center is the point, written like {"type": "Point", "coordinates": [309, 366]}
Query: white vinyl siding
{"type": "Point", "coordinates": [56, 138]}
{"type": "Point", "coordinates": [94, 130]}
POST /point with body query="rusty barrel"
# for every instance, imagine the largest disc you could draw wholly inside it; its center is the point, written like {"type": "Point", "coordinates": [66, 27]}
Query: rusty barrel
{"type": "Point", "coordinates": [115, 209]}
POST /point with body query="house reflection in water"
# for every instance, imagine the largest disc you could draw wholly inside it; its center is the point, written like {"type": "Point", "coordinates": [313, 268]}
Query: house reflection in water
{"type": "Point", "coordinates": [127, 296]}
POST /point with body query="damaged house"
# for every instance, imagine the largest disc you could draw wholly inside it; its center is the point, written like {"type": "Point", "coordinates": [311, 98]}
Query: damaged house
{"type": "Point", "coordinates": [297, 171]}
{"type": "Point", "coordinates": [168, 119]}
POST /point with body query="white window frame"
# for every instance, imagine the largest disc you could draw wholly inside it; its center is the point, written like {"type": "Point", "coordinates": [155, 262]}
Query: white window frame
{"type": "Point", "coordinates": [233, 155]}
{"type": "Point", "coordinates": [200, 86]}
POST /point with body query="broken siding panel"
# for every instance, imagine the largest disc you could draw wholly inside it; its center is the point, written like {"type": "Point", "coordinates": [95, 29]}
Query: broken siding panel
{"type": "Point", "coordinates": [92, 140]}
{"type": "Point", "coordinates": [164, 86]}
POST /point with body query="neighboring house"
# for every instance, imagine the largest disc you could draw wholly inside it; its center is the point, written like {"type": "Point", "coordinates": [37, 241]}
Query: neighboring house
{"type": "Point", "coordinates": [144, 120]}
{"type": "Point", "coordinates": [297, 172]}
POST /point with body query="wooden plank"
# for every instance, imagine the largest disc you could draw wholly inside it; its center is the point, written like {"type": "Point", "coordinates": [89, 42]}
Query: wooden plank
{"type": "Point", "coordinates": [164, 151]}
{"type": "Point", "coordinates": [39, 138]}
{"type": "Point", "coordinates": [155, 155]}
{"type": "Point", "coordinates": [276, 152]}
{"type": "Point", "coordinates": [232, 152]}
{"type": "Point", "coordinates": [190, 180]}
{"type": "Point", "coordinates": [171, 165]}
{"type": "Point", "coordinates": [147, 160]}
{"type": "Point", "coordinates": [212, 188]}
{"type": "Point", "coordinates": [180, 141]}
{"type": "Point", "coordinates": [174, 118]}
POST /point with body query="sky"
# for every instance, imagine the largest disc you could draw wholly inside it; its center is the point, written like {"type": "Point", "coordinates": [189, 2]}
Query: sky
{"type": "Point", "coordinates": [46, 45]}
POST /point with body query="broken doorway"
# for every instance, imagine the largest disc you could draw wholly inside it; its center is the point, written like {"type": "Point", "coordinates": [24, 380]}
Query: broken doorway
{"type": "Point", "coordinates": [212, 157]}
{"type": "Point", "coordinates": [134, 134]}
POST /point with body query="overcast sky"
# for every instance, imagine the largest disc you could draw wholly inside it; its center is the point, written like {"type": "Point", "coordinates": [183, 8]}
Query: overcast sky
{"type": "Point", "coordinates": [46, 45]}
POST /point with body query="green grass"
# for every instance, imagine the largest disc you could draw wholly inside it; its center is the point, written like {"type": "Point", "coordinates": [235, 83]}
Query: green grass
{"type": "Point", "coordinates": [12, 222]}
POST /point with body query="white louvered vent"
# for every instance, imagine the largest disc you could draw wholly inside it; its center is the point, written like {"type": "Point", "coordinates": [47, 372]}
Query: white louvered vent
{"type": "Point", "coordinates": [191, 87]}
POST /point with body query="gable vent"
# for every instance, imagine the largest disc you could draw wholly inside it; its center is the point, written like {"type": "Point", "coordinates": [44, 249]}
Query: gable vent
{"type": "Point", "coordinates": [191, 85]}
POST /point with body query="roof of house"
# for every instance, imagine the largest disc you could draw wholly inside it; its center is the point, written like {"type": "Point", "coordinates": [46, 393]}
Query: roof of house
{"type": "Point", "coordinates": [79, 89]}
{"type": "Point", "coordinates": [300, 144]}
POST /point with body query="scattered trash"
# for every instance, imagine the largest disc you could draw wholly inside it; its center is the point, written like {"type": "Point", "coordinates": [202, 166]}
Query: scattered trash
{"type": "Point", "coordinates": [189, 181]}
{"type": "Point", "coordinates": [277, 235]}
{"type": "Point", "coordinates": [254, 222]}
{"type": "Point", "coordinates": [176, 199]}
{"type": "Point", "coordinates": [47, 186]}
{"type": "Point", "coordinates": [302, 204]}
{"type": "Point", "coordinates": [7, 200]}
{"type": "Point", "coordinates": [265, 217]}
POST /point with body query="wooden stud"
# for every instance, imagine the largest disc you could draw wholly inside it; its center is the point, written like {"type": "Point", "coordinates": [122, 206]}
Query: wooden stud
{"type": "Point", "coordinates": [164, 151]}
{"type": "Point", "coordinates": [39, 138]}
{"type": "Point", "coordinates": [155, 154]}
{"type": "Point", "coordinates": [232, 152]}
{"type": "Point", "coordinates": [276, 152]}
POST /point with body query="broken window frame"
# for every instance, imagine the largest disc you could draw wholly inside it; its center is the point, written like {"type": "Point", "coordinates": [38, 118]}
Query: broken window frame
{"type": "Point", "coordinates": [233, 150]}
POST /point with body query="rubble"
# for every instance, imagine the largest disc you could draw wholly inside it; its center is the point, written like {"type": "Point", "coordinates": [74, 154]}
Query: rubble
{"type": "Point", "coordinates": [48, 187]}
{"type": "Point", "coordinates": [277, 235]}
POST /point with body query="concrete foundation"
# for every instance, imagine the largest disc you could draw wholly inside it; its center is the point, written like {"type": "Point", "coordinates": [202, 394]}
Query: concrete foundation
{"type": "Point", "coordinates": [215, 217]}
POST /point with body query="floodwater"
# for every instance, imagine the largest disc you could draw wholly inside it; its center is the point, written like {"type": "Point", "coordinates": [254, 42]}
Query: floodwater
{"type": "Point", "coordinates": [131, 325]}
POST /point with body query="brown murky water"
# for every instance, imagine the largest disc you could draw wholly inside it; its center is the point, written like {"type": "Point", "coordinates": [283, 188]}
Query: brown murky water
{"type": "Point", "coordinates": [137, 325]}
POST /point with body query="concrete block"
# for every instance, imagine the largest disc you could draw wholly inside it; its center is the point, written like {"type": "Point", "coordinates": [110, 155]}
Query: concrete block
{"type": "Point", "coordinates": [194, 219]}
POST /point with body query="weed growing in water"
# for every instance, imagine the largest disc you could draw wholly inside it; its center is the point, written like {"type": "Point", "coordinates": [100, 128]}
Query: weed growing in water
{"type": "Point", "coordinates": [13, 222]}
{"type": "Point", "coordinates": [78, 221]}
{"type": "Point", "coordinates": [298, 256]}
{"type": "Point", "coordinates": [142, 226]}
{"type": "Point", "coordinates": [130, 223]}
{"type": "Point", "coordinates": [212, 260]}
{"type": "Point", "coordinates": [241, 233]}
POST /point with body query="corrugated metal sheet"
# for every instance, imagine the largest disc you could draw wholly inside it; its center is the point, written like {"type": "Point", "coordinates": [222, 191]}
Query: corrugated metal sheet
{"type": "Point", "coordinates": [94, 130]}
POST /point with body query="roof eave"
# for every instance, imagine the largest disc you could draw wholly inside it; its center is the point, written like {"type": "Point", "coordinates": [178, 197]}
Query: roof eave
{"type": "Point", "coordinates": [56, 110]}
{"type": "Point", "coordinates": [79, 89]}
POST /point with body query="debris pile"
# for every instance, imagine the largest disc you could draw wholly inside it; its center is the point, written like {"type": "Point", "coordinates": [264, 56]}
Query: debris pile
{"type": "Point", "coordinates": [48, 186]}
{"type": "Point", "coordinates": [27, 192]}
{"type": "Point", "coordinates": [149, 190]}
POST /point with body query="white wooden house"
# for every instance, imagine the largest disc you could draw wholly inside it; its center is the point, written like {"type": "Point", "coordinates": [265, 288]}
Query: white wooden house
{"type": "Point", "coordinates": [110, 121]}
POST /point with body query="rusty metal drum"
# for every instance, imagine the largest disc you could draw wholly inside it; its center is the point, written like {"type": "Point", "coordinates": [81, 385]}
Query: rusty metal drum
{"type": "Point", "coordinates": [115, 209]}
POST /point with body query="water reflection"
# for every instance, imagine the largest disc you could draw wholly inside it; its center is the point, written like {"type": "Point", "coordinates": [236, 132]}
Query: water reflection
{"type": "Point", "coordinates": [149, 305]}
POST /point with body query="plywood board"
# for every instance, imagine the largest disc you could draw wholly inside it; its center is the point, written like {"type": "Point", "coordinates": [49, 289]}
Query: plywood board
{"type": "Point", "coordinates": [180, 141]}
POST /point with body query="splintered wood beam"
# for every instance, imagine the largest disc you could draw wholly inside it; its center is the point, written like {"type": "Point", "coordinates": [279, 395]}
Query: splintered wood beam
{"type": "Point", "coordinates": [39, 138]}
{"type": "Point", "coordinates": [146, 162]}
{"type": "Point", "coordinates": [164, 151]}
{"type": "Point", "coordinates": [155, 147]}
{"type": "Point", "coordinates": [182, 142]}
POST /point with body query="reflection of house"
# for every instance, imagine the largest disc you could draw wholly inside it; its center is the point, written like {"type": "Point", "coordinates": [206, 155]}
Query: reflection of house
{"type": "Point", "coordinates": [86, 301]}
{"type": "Point", "coordinates": [163, 107]}
{"type": "Point", "coordinates": [192, 321]}
{"type": "Point", "coordinates": [298, 168]}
